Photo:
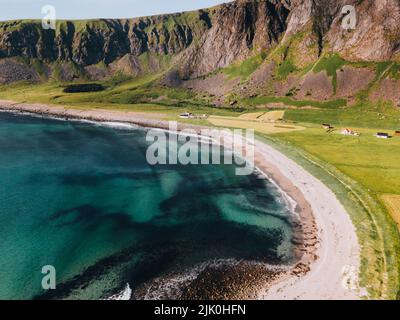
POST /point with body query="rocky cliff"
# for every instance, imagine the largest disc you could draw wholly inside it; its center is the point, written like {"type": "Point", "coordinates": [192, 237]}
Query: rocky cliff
{"type": "Point", "coordinates": [216, 37]}
{"type": "Point", "coordinates": [376, 36]}
{"type": "Point", "coordinates": [91, 42]}
{"type": "Point", "coordinates": [291, 35]}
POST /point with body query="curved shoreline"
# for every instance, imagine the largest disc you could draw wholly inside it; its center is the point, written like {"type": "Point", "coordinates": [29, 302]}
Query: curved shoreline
{"type": "Point", "coordinates": [334, 274]}
{"type": "Point", "coordinates": [327, 243]}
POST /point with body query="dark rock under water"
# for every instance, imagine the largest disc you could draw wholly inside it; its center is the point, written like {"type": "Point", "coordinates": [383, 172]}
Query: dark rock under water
{"type": "Point", "coordinates": [82, 197]}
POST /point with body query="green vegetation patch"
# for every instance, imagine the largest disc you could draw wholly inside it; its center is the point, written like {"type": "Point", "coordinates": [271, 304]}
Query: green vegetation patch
{"type": "Point", "coordinates": [117, 79]}
{"type": "Point", "coordinates": [350, 167]}
{"type": "Point", "coordinates": [244, 69]}
{"type": "Point", "coordinates": [285, 68]}
{"type": "Point", "coordinates": [381, 115]}
{"type": "Point", "coordinates": [289, 56]}
{"type": "Point", "coordinates": [147, 61]}
{"type": "Point", "coordinates": [331, 64]}
{"type": "Point", "coordinates": [262, 100]}
{"type": "Point", "coordinates": [394, 71]}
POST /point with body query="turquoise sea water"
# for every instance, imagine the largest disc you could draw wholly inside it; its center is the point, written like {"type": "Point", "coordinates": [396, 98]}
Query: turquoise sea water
{"type": "Point", "coordinates": [81, 197]}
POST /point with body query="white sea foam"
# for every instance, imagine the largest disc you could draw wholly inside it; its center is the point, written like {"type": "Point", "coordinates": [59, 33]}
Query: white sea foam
{"type": "Point", "coordinates": [289, 202]}
{"type": "Point", "coordinates": [125, 294]}
{"type": "Point", "coordinates": [118, 125]}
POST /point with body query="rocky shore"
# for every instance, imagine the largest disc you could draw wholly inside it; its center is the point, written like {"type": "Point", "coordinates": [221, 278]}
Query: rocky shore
{"type": "Point", "coordinates": [239, 280]}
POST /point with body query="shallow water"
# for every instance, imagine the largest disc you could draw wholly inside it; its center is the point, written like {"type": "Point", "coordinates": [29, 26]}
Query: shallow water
{"type": "Point", "coordinates": [81, 197]}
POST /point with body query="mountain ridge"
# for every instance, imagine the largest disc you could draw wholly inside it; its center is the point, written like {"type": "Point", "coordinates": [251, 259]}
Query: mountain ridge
{"type": "Point", "coordinates": [292, 48]}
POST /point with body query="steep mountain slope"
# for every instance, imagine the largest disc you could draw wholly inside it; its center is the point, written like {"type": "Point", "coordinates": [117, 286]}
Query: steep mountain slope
{"type": "Point", "coordinates": [296, 49]}
{"type": "Point", "coordinates": [90, 42]}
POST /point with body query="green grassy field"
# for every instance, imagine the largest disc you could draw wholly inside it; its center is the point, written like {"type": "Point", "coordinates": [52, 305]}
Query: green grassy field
{"type": "Point", "coordinates": [364, 169]}
{"type": "Point", "coordinates": [392, 201]}
{"type": "Point", "coordinates": [262, 100]}
{"type": "Point", "coordinates": [259, 126]}
{"type": "Point", "coordinates": [372, 162]}
{"type": "Point", "coordinates": [139, 95]}
{"type": "Point", "coordinates": [381, 115]}
{"type": "Point", "coordinates": [377, 233]}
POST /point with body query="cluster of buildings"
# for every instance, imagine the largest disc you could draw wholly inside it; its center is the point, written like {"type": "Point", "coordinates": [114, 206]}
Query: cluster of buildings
{"type": "Point", "coordinates": [187, 115]}
{"type": "Point", "coordinates": [350, 132]}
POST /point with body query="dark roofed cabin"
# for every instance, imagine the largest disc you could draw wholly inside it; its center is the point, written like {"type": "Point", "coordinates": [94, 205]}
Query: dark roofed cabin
{"type": "Point", "coordinates": [326, 126]}
{"type": "Point", "coordinates": [383, 135]}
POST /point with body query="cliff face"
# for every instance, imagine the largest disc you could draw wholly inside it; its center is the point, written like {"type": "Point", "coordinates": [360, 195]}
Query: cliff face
{"type": "Point", "coordinates": [217, 36]}
{"type": "Point", "coordinates": [237, 29]}
{"type": "Point", "coordinates": [376, 36]}
{"type": "Point", "coordinates": [203, 41]}
{"type": "Point", "coordinates": [91, 42]}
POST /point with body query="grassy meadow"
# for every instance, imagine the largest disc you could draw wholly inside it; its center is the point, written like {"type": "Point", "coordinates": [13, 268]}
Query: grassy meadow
{"type": "Point", "coordinates": [136, 95]}
{"type": "Point", "coordinates": [257, 125]}
{"type": "Point", "coordinates": [392, 201]}
{"type": "Point", "coordinates": [378, 234]}
{"type": "Point", "coordinates": [364, 172]}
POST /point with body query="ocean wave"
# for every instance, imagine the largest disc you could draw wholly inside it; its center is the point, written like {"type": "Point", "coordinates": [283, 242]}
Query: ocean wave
{"type": "Point", "coordinates": [117, 125]}
{"type": "Point", "coordinates": [288, 201]}
{"type": "Point", "coordinates": [125, 294]}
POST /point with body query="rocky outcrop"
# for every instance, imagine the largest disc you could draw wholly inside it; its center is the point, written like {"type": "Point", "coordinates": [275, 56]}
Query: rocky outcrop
{"type": "Point", "coordinates": [237, 29]}
{"type": "Point", "coordinates": [12, 71]}
{"type": "Point", "coordinates": [389, 90]}
{"type": "Point", "coordinates": [377, 27]}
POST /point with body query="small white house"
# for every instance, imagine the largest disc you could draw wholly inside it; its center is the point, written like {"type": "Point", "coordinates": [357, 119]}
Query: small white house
{"type": "Point", "coordinates": [186, 115]}
{"type": "Point", "coordinates": [349, 132]}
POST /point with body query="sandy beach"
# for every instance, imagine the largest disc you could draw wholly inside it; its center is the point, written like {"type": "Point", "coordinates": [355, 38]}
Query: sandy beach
{"type": "Point", "coordinates": [327, 244]}
{"type": "Point", "coordinates": [334, 271]}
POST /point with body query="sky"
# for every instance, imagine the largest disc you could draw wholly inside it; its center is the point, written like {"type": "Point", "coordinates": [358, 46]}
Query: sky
{"type": "Point", "coordinates": [91, 9]}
